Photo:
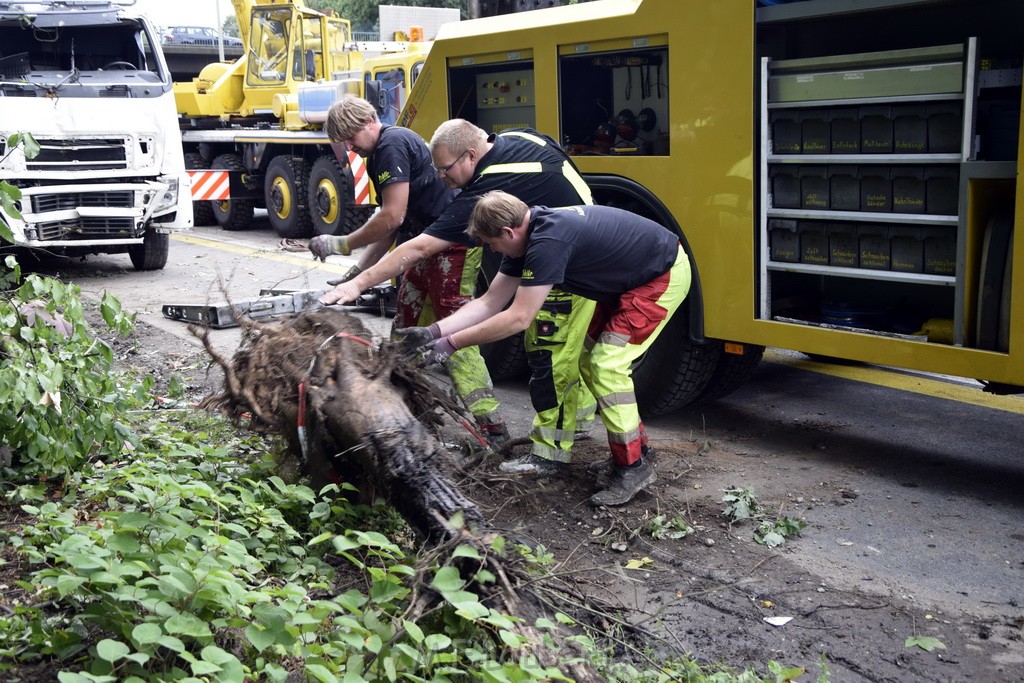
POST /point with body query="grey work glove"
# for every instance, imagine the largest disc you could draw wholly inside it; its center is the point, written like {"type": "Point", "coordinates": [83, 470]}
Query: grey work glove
{"type": "Point", "coordinates": [439, 352]}
{"type": "Point", "coordinates": [323, 246]}
{"type": "Point", "coordinates": [413, 339]}
{"type": "Point", "coordinates": [350, 274]}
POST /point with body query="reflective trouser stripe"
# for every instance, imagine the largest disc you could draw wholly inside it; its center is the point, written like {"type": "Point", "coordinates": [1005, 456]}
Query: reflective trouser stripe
{"type": "Point", "coordinates": [619, 334]}
{"type": "Point", "coordinates": [554, 344]}
{"type": "Point", "coordinates": [430, 291]}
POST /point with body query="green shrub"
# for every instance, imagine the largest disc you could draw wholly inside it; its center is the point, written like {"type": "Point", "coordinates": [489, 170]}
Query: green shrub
{"type": "Point", "coordinates": [60, 405]}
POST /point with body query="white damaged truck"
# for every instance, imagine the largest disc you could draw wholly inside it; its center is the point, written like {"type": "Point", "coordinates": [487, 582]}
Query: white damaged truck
{"type": "Point", "coordinates": [87, 79]}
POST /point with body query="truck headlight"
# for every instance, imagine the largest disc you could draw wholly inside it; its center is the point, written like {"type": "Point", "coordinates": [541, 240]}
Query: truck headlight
{"type": "Point", "coordinates": [169, 199]}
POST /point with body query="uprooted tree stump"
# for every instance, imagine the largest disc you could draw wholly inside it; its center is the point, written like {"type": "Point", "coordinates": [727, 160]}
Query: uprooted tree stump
{"type": "Point", "coordinates": [353, 411]}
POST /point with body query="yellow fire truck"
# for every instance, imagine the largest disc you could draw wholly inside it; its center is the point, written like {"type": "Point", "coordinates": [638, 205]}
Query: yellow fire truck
{"type": "Point", "coordinates": [843, 174]}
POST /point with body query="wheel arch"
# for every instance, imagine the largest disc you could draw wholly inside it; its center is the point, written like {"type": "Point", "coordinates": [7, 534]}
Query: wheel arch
{"type": "Point", "coordinates": [604, 186]}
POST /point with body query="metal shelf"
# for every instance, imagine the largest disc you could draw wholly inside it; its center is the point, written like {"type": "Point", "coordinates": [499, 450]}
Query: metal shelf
{"type": "Point", "coordinates": [863, 273]}
{"type": "Point", "coordinates": [852, 101]}
{"type": "Point", "coordinates": [865, 159]}
{"type": "Point", "coordinates": [865, 217]}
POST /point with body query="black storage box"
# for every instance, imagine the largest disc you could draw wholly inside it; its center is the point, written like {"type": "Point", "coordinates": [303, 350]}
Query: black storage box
{"type": "Point", "coordinates": [909, 129]}
{"type": "Point", "coordinates": [785, 187]}
{"type": "Point", "coordinates": [940, 251]}
{"type": "Point", "coordinates": [945, 121]}
{"type": "Point", "coordinates": [875, 189]}
{"type": "Point", "coordinates": [942, 190]}
{"type": "Point", "coordinates": [815, 135]}
{"type": "Point", "coordinates": [844, 126]}
{"type": "Point", "coordinates": [844, 188]}
{"type": "Point", "coordinates": [814, 188]}
{"type": "Point", "coordinates": [908, 189]}
{"type": "Point", "coordinates": [785, 132]}
{"type": "Point", "coordinates": [874, 247]}
{"type": "Point", "coordinates": [843, 250]}
{"type": "Point", "coordinates": [784, 242]}
{"type": "Point", "coordinates": [813, 242]}
{"type": "Point", "coordinates": [876, 129]}
{"type": "Point", "coordinates": [906, 249]}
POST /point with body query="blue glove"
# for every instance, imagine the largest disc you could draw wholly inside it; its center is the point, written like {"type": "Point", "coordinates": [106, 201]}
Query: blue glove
{"type": "Point", "coordinates": [439, 352]}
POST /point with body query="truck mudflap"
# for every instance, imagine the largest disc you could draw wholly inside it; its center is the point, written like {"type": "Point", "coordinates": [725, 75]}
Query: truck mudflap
{"type": "Point", "coordinates": [210, 185]}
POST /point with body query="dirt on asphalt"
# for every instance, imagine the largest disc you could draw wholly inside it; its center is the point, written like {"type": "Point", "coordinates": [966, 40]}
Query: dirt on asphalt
{"type": "Point", "coordinates": [709, 593]}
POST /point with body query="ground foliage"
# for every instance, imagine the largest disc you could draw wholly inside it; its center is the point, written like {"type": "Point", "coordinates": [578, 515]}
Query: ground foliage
{"type": "Point", "coordinates": [188, 555]}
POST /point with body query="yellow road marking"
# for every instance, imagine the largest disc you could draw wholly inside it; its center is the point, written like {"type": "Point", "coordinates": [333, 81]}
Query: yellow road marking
{"type": "Point", "coordinates": [281, 257]}
{"type": "Point", "coordinates": [903, 382]}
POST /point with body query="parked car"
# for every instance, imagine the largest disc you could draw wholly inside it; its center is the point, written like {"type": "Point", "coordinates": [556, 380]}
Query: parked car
{"type": "Point", "coordinates": [196, 35]}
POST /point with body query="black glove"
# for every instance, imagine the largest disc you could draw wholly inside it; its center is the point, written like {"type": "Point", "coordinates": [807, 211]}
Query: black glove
{"type": "Point", "coordinates": [350, 274]}
{"type": "Point", "coordinates": [415, 338]}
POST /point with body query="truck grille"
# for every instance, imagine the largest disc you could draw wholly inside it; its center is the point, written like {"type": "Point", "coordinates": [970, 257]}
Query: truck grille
{"type": "Point", "coordinates": [79, 154]}
{"type": "Point", "coordinates": [124, 199]}
{"type": "Point", "coordinates": [87, 228]}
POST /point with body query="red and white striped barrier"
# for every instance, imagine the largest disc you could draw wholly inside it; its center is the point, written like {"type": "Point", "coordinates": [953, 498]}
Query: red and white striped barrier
{"type": "Point", "coordinates": [210, 185]}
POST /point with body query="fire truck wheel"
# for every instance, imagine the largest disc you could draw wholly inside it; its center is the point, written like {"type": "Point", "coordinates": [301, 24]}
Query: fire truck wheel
{"type": "Point", "coordinates": [152, 253]}
{"type": "Point", "coordinates": [202, 212]}
{"type": "Point", "coordinates": [675, 370]}
{"type": "Point", "coordinates": [286, 194]}
{"type": "Point", "coordinates": [232, 214]}
{"type": "Point", "coordinates": [329, 193]}
{"type": "Point", "coordinates": [731, 372]}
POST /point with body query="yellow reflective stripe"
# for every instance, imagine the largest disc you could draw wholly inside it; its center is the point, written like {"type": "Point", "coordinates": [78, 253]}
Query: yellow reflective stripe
{"type": "Point", "coordinates": [576, 180]}
{"type": "Point", "coordinates": [526, 136]}
{"type": "Point", "coordinates": [520, 167]}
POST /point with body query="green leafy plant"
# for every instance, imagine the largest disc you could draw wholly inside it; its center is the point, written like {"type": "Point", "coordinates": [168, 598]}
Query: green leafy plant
{"type": "Point", "coordinates": [61, 403]}
{"type": "Point", "coordinates": [661, 527]}
{"type": "Point", "coordinates": [775, 532]}
{"type": "Point", "coordinates": [741, 504]}
{"type": "Point", "coordinates": [9, 194]}
{"type": "Point", "coordinates": [925, 643]}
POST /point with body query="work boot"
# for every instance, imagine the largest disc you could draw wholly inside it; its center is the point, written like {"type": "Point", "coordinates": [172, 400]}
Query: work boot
{"type": "Point", "coordinates": [531, 464]}
{"type": "Point", "coordinates": [607, 466]}
{"type": "Point", "coordinates": [494, 431]}
{"type": "Point", "coordinates": [626, 483]}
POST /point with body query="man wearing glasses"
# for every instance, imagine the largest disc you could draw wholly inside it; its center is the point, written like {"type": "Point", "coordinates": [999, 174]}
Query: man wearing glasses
{"type": "Point", "coordinates": [411, 197]}
{"type": "Point", "coordinates": [532, 167]}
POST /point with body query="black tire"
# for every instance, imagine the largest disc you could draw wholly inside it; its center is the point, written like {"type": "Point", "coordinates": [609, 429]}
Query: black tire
{"type": "Point", "coordinates": [152, 253]}
{"type": "Point", "coordinates": [330, 195]}
{"type": "Point", "coordinates": [232, 214]}
{"type": "Point", "coordinates": [505, 358]}
{"type": "Point", "coordinates": [730, 373]}
{"type": "Point", "coordinates": [675, 370]}
{"type": "Point", "coordinates": [202, 212]}
{"type": "Point", "coordinates": [286, 193]}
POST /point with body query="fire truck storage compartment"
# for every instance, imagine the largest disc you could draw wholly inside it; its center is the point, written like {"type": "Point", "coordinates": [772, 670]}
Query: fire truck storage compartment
{"type": "Point", "coordinates": [495, 94]}
{"type": "Point", "coordinates": [613, 99]}
{"type": "Point", "coordinates": [871, 161]}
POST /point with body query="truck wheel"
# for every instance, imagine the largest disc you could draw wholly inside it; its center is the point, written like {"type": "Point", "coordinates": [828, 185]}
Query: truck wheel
{"type": "Point", "coordinates": [330, 194]}
{"type": "Point", "coordinates": [232, 214]}
{"type": "Point", "coordinates": [675, 370]}
{"type": "Point", "coordinates": [202, 212]}
{"type": "Point", "coordinates": [730, 373]}
{"type": "Point", "coordinates": [285, 192]}
{"type": "Point", "coordinates": [152, 253]}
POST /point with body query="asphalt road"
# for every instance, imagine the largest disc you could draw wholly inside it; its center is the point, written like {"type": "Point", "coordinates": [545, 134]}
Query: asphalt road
{"type": "Point", "coordinates": [936, 466]}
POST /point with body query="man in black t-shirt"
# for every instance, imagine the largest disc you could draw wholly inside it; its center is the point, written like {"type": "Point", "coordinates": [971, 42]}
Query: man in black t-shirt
{"type": "Point", "coordinates": [411, 196]}
{"type": "Point", "coordinates": [634, 269]}
{"type": "Point", "coordinates": [533, 167]}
